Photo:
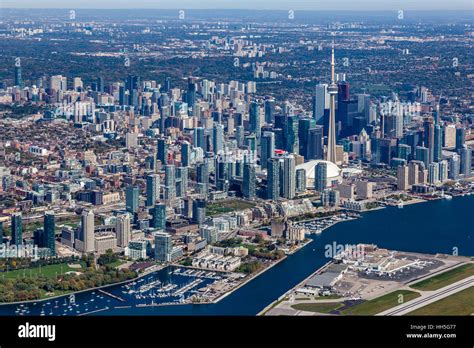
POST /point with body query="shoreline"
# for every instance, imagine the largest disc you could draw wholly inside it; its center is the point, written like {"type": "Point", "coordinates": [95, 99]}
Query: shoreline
{"type": "Point", "coordinates": [67, 294]}
{"type": "Point", "coordinates": [320, 269]}
{"type": "Point", "coordinates": [430, 274]}
{"type": "Point", "coordinates": [246, 281]}
{"type": "Point", "coordinates": [280, 298]}
{"type": "Point", "coordinates": [216, 300]}
{"type": "Point", "coordinates": [81, 291]}
{"type": "Point", "coordinates": [252, 277]}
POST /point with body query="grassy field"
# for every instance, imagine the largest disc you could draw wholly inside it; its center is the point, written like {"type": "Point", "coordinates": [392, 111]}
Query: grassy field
{"type": "Point", "coordinates": [251, 247]}
{"type": "Point", "coordinates": [460, 303]}
{"type": "Point", "coordinates": [441, 280]}
{"type": "Point", "coordinates": [381, 303]}
{"type": "Point", "coordinates": [49, 271]}
{"type": "Point", "coordinates": [317, 307]}
{"type": "Point", "coordinates": [116, 263]}
{"type": "Point", "coordinates": [227, 206]}
{"type": "Point", "coordinates": [71, 221]}
{"type": "Point", "coordinates": [45, 295]}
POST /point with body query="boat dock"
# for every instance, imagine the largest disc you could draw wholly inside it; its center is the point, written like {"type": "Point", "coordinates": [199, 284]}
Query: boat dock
{"type": "Point", "coordinates": [92, 312]}
{"type": "Point", "coordinates": [111, 295]}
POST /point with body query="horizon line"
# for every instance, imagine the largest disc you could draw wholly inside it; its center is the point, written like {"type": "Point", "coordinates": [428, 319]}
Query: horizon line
{"type": "Point", "coordinates": [234, 9]}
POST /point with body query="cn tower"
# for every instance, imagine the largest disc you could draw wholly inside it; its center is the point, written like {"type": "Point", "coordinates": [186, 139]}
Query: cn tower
{"type": "Point", "coordinates": [332, 90]}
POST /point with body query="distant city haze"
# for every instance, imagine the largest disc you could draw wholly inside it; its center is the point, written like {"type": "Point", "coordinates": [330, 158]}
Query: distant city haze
{"type": "Point", "coordinates": [351, 5]}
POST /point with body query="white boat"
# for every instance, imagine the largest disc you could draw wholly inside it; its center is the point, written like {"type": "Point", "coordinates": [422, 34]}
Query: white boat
{"type": "Point", "coordinates": [400, 205]}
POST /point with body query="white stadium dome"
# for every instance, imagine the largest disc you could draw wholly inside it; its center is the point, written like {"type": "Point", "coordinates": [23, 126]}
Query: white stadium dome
{"type": "Point", "coordinates": [333, 172]}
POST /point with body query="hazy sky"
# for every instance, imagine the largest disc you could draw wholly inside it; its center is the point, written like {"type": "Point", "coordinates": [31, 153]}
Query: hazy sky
{"type": "Point", "coordinates": [248, 4]}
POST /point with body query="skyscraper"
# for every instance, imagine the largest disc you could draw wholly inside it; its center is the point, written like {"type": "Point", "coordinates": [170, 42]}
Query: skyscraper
{"type": "Point", "coordinates": [466, 160]}
{"type": "Point", "coordinates": [404, 151]}
{"type": "Point", "coordinates": [433, 173]}
{"type": "Point", "coordinates": [100, 84]}
{"type": "Point", "coordinates": [300, 180]}
{"type": "Point", "coordinates": [320, 173]}
{"type": "Point", "coordinates": [267, 148]}
{"type": "Point", "coordinates": [199, 211]}
{"type": "Point", "coordinates": [123, 99]}
{"type": "Point", "coordinates": [222, 175]}
{"type": "Point", "coordinates": [123, 230]}
{"type": "Point", "coordinates": [413, 169]}
{"type": "Point", "coordinates": [181, 181]}
{"type": "Point", "coordinates": [429, 139]}
{"type": "Point", "coordinates": [332, 89]}
{"type": "Point", "coordinates": [269, 110]}
{"type": "Point", "coordinates": [403, 178]}
{"type": "Point", "coordinates": [131, 199]}
{"type": "Point", "coordinates": [218, 138]}
{"type": "Point", "coordinates": [185, 154]}
{"type": "Point", "coordinates": [49, 229]}
{"type": "Point", "coordinates": [249, 179]}
{"type": "Point", "coordinates": [58, 83]}
{"type": "Point", "coordinates": [167, 85]}
{"type": "Point", "coordinates": [163, 246]}
{"type": "Point", "coordinates": [191, 92]}
{"type": "Point", "coordinates": [152, 189]}
{"type": "Point", "coordinates": [199, 138]}
{"type": "Point", "coordinates": [158, 216]}
{"type": "Point", "coordinates": [289, 177]}
{"type": "Point", "coordinates": [454, 167]}
{"type": "Point", "coordinates": [202, 178]}
{"type": "Point", "coordinates": [443, 170]}
{"type": "Point", "coordinates": [320, 102]}
{"type": "Point", "coordinates": [438, 143]}
{"type": "Point", "coordinates": [17, 229]}
{"type": "Point", "coordinates": [460, 137]}
{"type": "Point", "coordinates": [422, 153]}
{"type": "Point", "coordinates": [291, 134]}
{"type": "Point", "coordinates": [315, 148]}
{"type": "Point", "coordinates": [304, 125]}
{"type": "Point", "coordinates": [273, 179]}
{"type": "Point", "coordinates": [163, 151]}
{"type": "Point", "coordinates": [343, 105]}
{"type": "Point", "coordinates": [87, 231]}
{"type": "Point", "coordinates": [254, 119]}
{"type": "Point", "coordinates": [240, 135]}
{"type": "Point", "coordinates": [170, 182]}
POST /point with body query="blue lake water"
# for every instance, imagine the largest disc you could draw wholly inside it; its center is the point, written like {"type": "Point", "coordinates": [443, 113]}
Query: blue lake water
{"type": "Point", "coordinates": [432, 227]}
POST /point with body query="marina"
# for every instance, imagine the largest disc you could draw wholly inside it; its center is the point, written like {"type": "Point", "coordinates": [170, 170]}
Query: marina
{"type": "Point", "coordinates": [169, 286]}
{"type": "Point", "coordinates": [409, 229]}
{"type": "Point", "coordinates": [317, 226]}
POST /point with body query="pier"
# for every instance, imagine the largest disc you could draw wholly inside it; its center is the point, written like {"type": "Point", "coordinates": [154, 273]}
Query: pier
{"type": "Point", "coordinates": [111, 295]}
{"type": "Point", "coordinates": [92, 312]}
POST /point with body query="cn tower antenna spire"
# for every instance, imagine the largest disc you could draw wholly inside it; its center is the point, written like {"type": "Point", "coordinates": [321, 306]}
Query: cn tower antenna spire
{"type": "Point", "coordinates": [332, 63]}
{"type": "Point", "coordinates": [332, 90]}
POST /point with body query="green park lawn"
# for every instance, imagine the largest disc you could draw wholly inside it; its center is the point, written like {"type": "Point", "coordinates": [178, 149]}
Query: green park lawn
{"type": "Point", "coordinates": [49, 271]}
{"type": "Point", "coordinates": [116, 263]}
{"type": "Point", "coordinates": [460, 303]}
{"type": "Point", "coordinates": [318, 307]}
{"type": "Point", "coordinates": [381, 303]}
{"type": "Point", "coordinates": [227, 206]}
